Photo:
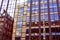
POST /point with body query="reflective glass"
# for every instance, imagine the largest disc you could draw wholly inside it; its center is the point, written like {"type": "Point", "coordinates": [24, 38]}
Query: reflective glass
{"type": "Point", "coordinates": [18, 33]}
{"type": "Point", "coordinates": [19, 25]}
{"type": "Point", "coordinates": [27, 18]}
{"type": "Point", "coordinates": [33, 18]}
{"type": "Point", "coordinates": [19, 19]}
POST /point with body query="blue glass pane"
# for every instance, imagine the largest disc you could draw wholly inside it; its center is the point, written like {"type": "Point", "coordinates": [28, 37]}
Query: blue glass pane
{"type": "Point", "coordinates": [45, 5]}
{"type": "Point", "coordinates": [20, 13]}
{"type": "Point", "coordinates": [34, 0]}
{"type": "Point", "coordinates": [55, 9]}
{"type": "Point", "coordinates": [28, 8]}
{"type": "Point", "coordinates": [56, 16]}
{"type": "Point", "coordinates": [52, 16]}
{"type": "Point", "coordinates": [33, 17]}
{"type": "Point", "coordinates": [36, 18]}
{"type": "Point", "coordinates": [29, 1]}
{"type": "Point", "coordinates": [28, 11]}
{"type": "Point", "coordinates": [34, 7]}
{"type": "Point", "coordinates": [21, 9]}
{"type": "Point", "coordinates": [46, 17]}
{"type": "Point", "coordinates": [50, 4]}
{"type": "Point", "coordinates": [54, 4]}
{"type": "Point", "coordinates": [19, 25]}
{"type": "Point", "coordinates": [41, 18]}
{"type": "Point", "coordinates": [46, 10]}
{"type": "Point", "coordinates": [51, 10]}
{"type": "Point", "coordinates": [20, 19]}
{"type": "Point", "coordinates": [27, 19]}
{"type": "Point", "coordinates": [18, 33]}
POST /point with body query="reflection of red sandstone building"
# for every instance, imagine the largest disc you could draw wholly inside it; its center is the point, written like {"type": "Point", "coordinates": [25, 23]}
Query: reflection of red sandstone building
{"type": "Point", "coordinates": [6, 26]}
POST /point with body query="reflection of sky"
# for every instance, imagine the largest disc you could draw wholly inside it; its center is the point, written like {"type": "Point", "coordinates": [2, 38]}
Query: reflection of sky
{"type": "Point", "coordinates": [11, 6]}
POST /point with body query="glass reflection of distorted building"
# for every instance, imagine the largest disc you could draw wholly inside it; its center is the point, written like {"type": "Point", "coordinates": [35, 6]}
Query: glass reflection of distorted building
{"type": "Point", "coordinates": [29, 23]}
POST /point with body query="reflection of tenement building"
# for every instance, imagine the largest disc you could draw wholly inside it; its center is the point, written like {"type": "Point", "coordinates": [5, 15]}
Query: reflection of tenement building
{"type": "Point", "coordinates": [6, 26]}
{"type": "Point", "coordinates": [29, 23]}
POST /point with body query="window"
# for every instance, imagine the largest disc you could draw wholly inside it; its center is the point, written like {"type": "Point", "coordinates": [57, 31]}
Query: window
{"type": "Point", "coordinates": [18, 33]}
{"type": "Point", "coordinates": [29, 1]}
{"type": "Point", "coordinates": [54, 16]}
{"type": "Point", "coordinates": [20, 19]}
{"type": "Point", "coordinates": [27, 18]}
{"type": "Point", "coordinates": [28, 8]}
{"type": "Point", "coordinates": [34, 0]}
{"type": "Point", "coordinates": [21, 9]}
{"type": "Point", "coordinates": [19, 25]}
{"type": "Point", "coordinates": [51, 9]}
{"type": "Point", "coordinates": [34, 7]}
{"type": "Point", "coordinates": [45, 17]}
{"type": "Point", "coordinates": [42, 10]}
{"type": "Point", "coordinates": [36, 18]}
{"type": "Point", "coordinates": [45, 10]}
{"type": "Point", "coordinates": [20, 13]}
{"type": "Point", "coordinates": [45, 5]}
{"type": "Point", "coordinates": [54, 4]}
{"type": "Point", "coordinates": [55, 9]}
{"type": "Point", "coordinates": [33, 17]}
{"type": "Point", "coordinates": [28, 11]}
{"type": "Point", "coordinates": [50, 4]}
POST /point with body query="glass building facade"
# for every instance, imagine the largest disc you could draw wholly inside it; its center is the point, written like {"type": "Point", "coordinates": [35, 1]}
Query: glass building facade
{"type": "Point", "coordinates": [33, 16]}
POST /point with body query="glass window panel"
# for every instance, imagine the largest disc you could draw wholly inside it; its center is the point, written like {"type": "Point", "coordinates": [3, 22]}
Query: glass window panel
{"type": "Point", "coordinates": [34, 0]}
{"type": "Point", "coordinates": [54, 4]}
{"type": "Point", "coordinates": [33, 12]}
{"type": "Point", "coordinates": [18, 33]}
{"type": "Point", "coordinates": [28, 8]}
{"type": "Point", "coordinates": [46, 17]}
{"type": "Point", "coordinates": [28, 11]}
{"type": "Point", "coordinates": [55, 9]}
{"type": "Point", "coordinates": [21, 9]}
{"type": "Point", "coordinates": [29, 1]}
{"type": "Point", "coordinates": [56, 16]}
{"type": "Point", "coordinates": [52, 16]}
{"type": "Point", "coordinates": [45, 10]}
{"type": "Point", "coordinates": [33, 17]}
{"type": "Point", "coordinates": [27, 18]}
{"type": "Point", "coordinates": [20, 19]}
{"type": "Point", "coordinates": [51, 9]}
{"type": "Point", "coordinates": [19, 25]}
{"type": "Point", "coordinates": [42, 10]}
{"type": "Point", "coordinates": [20, 13]}
{"type": "Point", "coordinates": [50, 4]}
{"type": "Point", "coordinates": [36, 18]}
{"type": "Point", "coordinates": [45, 5]}
{"type": "Point", "coordinates": [41, 18]}
{"type": "Point", "coordinates": [34, 7]}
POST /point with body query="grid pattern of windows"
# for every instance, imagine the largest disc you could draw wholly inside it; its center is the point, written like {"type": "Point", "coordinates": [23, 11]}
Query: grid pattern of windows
{"type": "Point", "coordinates": [28, 15]}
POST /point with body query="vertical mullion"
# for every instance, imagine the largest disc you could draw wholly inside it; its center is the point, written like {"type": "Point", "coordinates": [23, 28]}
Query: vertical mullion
{"type": "Point", "coordinates": [39, 22]}
{"type": "Point", "coordinates": [1, 5]}
{"type": "Point", "coordinates": [7, 5]}
{"type": "Point", "coordinates": [30, 20]}
{"type": "Point", "coordinates": [49, 21]}
{"type": "Point", "coordinates": [58, 10]}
